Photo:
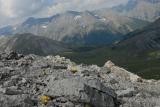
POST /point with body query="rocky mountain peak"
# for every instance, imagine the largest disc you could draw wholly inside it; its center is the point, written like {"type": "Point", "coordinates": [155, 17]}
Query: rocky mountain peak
{"type": "Point", "coordinates": [51, 81]}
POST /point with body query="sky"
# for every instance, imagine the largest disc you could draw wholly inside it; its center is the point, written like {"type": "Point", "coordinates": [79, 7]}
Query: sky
{"type": "Point", "coordinates": [15, 11]}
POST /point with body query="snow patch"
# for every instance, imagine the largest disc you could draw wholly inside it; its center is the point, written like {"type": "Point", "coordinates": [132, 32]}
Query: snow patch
{"type": "Point", "coordinates": [103, 19]}
{"type": "Point", "coordinates": [77, 17]}
{"type": "Point", "coordinates": [96, 15]}
{"type": "Point", "coordinates": [44, 26]}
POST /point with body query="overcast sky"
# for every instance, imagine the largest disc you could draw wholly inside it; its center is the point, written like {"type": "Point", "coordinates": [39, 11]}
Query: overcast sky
{"type": "Point", "coordinates": [14, 11]}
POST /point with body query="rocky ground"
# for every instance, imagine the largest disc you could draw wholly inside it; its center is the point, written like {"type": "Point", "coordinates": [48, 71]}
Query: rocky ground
{"type": "Point", "coordinates": [54, 81]}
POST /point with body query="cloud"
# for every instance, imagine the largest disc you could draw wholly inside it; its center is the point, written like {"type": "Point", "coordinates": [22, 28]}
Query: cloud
{"type": "Point", "coordinates": [12, 11]}
{"type": "Point", "coordinates": [16, 8]}
{"type": "Point", "coordinates": [80, 5]}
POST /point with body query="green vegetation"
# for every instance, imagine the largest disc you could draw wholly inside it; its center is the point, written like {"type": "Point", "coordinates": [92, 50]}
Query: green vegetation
{"type": "Point", "coordinates": [154, 54]}
{"type": "Point", "coordinates": [147, 64]}
{"type": "Point", "coordinates": [87, 105]}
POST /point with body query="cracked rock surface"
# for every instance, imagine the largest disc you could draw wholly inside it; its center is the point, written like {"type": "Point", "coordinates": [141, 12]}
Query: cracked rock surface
{"type": "Point", "coordinates": [24, 80]}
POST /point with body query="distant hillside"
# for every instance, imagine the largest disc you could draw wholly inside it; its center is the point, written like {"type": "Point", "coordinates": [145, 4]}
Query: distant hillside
{"type": "Point", "coordinates": [6, 30]}
{"type": "Point", "coordinates": [145, 39]}
{"type": "Point", "coordinates": [31, 44]}
{"type": "Point", "coordinates": [141, 9]}
{"type": "Point", "coordinates": [101, 27]}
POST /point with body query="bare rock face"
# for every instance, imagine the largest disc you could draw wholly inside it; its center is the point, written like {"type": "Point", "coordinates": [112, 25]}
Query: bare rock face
{"type": "Point", "coordinates": [109, 64]}
{"type": "Point", "coordinates": [34, 81]}
{"type": "Point", "coordinates": [122, 72]}
{"type": "Point", "coordinates": [80, 90]}
{"type": "Point", "coordinates": [133, 90]}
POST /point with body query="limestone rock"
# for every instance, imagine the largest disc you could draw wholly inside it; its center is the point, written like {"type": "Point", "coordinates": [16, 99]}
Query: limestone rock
{"type": "Point", "coordinates": [109, 64]}
{"type": "Point", "coordinates": [124, 73]}
{"type": "Point", "coordinates": [126, 93]}
{"type": "Point", "coordinates": [23, 79]}
{"type": "Point", "coordinates": [84, 91]}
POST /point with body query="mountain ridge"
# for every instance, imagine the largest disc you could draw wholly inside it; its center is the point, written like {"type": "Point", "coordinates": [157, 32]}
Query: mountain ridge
{"type": "Point", "coordinates": [144, 39]}
{"type": "Point", "coordinates": [31, 44]}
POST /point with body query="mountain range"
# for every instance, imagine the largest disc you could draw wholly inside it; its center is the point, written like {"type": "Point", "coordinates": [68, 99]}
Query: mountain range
{"type": "Point", "coordinates": [100, 27]}
{"type": "Point", "coordinates": [97, 27]}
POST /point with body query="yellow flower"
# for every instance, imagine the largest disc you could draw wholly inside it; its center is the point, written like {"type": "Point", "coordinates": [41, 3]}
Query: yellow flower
{"type": "Point", "coordinates": [45, 99]}
{"type": "Point", "coordinates": [74, 69]}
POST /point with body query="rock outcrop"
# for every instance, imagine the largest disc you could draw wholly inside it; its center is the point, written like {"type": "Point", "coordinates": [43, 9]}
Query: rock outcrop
{"type": "Point", "coordinates": [34, 81]}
